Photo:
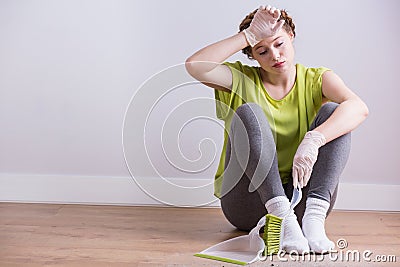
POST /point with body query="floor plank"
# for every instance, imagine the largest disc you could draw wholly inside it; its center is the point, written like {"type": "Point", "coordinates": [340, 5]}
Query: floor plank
{"type": "Point", "coordinates": [85, 235]}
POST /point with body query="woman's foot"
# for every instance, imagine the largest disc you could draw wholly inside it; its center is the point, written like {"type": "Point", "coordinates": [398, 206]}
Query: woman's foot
{"type": "Point", "coordinates": [292, 238]}
{"type": "Point", "coordinates": [313, 224]}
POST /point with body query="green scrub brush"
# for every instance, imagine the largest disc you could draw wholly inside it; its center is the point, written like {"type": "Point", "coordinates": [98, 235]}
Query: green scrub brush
{"type": "Point", "coordinates": [273, 226]}
{"type": "Point", "coordinates": [272, 234]}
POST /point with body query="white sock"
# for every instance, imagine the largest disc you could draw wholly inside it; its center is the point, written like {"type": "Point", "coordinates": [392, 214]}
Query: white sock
{"type": "Point", "coordinates": [292, 237]}
{"type": "Point", "coordinates": [314, 225]}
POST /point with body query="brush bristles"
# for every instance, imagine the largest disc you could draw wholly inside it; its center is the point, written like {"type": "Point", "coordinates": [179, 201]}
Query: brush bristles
{"type": "Point", "coordinates": [272, 234]}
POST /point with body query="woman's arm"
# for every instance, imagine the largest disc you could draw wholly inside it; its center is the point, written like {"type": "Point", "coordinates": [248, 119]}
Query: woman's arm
{"type": "Point", "coordinates": [350, 113]}
{"type": "Point", "coordinates": [346, 117]}
{"type": "Point", "coordinates": [205, 65]}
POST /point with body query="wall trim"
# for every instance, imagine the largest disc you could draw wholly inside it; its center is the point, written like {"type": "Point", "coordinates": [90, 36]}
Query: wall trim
{"type": "Point", "coordinates": [100, 190]}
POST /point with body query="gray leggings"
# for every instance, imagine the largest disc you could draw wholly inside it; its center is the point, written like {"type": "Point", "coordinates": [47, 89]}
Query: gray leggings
{"type": "Point", "coordinates": [250, 131]}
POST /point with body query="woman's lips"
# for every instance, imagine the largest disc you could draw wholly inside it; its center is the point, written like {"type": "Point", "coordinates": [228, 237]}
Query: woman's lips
{"type": "Point", "coordinates": [278, 64]}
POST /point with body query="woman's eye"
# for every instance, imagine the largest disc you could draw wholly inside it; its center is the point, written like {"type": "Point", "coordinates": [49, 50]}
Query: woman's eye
{"type": "Point", "coordinates": [263, 52]}
{"type": "Point", "coordinates": [280, 44]}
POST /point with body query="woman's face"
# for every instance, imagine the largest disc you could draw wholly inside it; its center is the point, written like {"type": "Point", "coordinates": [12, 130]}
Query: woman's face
{"type": "Point", "coordinates": [275, 54]}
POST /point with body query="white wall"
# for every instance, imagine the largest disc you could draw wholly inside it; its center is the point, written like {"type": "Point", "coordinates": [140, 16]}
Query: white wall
{"type": "Point", "coordinates": [69, 70]}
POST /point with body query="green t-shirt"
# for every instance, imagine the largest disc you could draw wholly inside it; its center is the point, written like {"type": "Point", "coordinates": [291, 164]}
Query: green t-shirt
{"type": "Point", "coordinates": [289, 117]}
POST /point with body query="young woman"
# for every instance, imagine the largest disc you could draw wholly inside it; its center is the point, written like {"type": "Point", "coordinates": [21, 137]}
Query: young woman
{"type": "Point", "coordinates": [286, 126]}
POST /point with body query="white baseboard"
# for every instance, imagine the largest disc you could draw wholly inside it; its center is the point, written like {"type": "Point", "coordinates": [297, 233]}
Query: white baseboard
{"type": "Point", "coordinates": [125, 191]}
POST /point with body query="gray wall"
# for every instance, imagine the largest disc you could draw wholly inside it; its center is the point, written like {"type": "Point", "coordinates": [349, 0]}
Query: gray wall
{"type": "Point", "coordinates": [69, 69]}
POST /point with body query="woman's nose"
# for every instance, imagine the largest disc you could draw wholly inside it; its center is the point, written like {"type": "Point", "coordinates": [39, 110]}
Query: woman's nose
{"type": "Point", "coordinates": [275, 55]}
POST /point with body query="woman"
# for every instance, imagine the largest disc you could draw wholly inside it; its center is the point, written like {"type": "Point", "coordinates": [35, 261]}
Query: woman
{"type": "Point", "coordinates": [282, 133]}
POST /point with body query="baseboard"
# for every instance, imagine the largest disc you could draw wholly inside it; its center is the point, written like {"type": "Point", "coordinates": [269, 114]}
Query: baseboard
{"type": "Point", "coordinates": [125, 191]}
{"type": "Point", "coordinates": [377, 197]}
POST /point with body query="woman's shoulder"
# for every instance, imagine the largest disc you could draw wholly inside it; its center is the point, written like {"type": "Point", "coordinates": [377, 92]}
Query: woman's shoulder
{"type": "Point", "coordinates": [305, 69]}
{"type": "Point", "coordinates": [310, 72]}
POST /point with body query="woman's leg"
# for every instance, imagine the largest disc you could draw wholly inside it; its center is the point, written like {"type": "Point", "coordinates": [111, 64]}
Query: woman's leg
{"type": "Point", "coordinates": [250, 156]}
{"type": "Point", "coordinates": [251, 164]}
{"type": "Point", "coordinates": [301, 207]}
{"type": "Point", "coordinates": [322, 189]}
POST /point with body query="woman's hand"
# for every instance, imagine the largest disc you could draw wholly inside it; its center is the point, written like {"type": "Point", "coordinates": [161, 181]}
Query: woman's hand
{"type": "Point", "coordinates": [264, 24]}
{"type": "Point", "coordinates": [305, 157]}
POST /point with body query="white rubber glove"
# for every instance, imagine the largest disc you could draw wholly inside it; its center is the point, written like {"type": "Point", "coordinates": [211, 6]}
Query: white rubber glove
{"type": "Point", "coordinates": [305, 157]}
{"type": "Point", "coordinates": [264, 24]}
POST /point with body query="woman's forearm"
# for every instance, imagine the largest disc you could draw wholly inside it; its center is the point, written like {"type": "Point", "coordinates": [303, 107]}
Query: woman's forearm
{"type": "Point", "coordinates": [347, 116]}
{"type": "Point", "coordinates": [215, 54]}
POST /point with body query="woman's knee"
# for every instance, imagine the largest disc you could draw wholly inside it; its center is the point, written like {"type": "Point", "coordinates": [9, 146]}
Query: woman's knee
{"type": "Point", "coordinates": [325, 112]}
{"type": "Point", "coordinates": [251, 116]}
{"type": "Point", "coordinates": [329, 107]}
{"type": "Point", "coordinates": [249, 113]}
{"type": "Point", "coordinates": [250, 131]}
{"type": "Point", "coordinates": [248, 107]}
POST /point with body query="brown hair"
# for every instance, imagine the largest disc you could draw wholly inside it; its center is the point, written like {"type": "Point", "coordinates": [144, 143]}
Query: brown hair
{"type": "Point", "coordinates": [289, 27]}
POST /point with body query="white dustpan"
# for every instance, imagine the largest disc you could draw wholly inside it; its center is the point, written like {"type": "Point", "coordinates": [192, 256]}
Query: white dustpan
{"type": "Point", "coordinates": [244, 249]}
{"type": "Point", "coordinates": [240, 250]}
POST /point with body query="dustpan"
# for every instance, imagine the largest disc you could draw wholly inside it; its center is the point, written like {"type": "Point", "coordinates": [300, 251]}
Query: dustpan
{"type": "Point", "coordinates": [240, 250]}
{"type": "Point", "coordinates": [245, 249]}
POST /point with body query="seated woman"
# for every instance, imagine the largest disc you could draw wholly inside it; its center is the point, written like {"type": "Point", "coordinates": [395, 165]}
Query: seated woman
{"type": "Point", "coordinates": [287, 126]}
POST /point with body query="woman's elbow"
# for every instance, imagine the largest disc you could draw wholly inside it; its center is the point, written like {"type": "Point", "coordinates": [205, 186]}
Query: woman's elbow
{"type": "Point", "coordinates": [364, 110]}
{"type": "Point", "coordinates": [190, 66]}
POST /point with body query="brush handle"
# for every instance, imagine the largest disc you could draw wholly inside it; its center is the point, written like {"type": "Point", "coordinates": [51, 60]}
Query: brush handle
{"type": "Point", "coordinates": [296, 197]}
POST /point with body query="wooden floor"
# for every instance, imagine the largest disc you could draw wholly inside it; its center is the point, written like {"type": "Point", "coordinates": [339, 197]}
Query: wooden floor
{"type": "Point", "coordinates": [83, 235]}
